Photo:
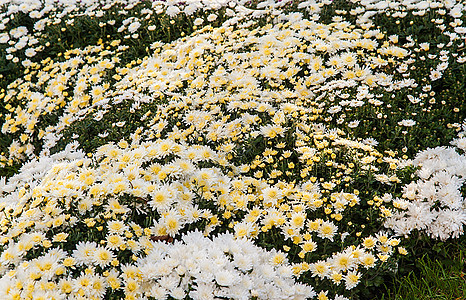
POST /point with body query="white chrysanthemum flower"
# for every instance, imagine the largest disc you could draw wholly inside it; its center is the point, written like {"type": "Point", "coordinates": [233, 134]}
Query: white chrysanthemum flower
{"type": "Point", "coordinates": [243, 229]}
{"type": "Point", "coordinates": [343, 262]}
{"type": "Point", "coordinates": [352, 279]}
{"type": "Point", "coordinates": [272, 195]}
{"type": "Point", "coordinates": [172, 11]}
{"type": "Point", "coordinates": [103, 256]}
{"type": "Point", "coordinates": [161, 199]}
{"type": "Point", "coordinates": [327, 230]}
{"type": "Point", "coordinates": [4, 38]}
{"type": "Point", "coordinates": [172, 222]}
{"type": "Point", "coordinates": [460, 143]}
{"type": "Point", "coordinates": [211, 17]}
{"type": "Point", "coordinates": [30, 52]}
{"type": "Point", "coordinates": [448, 224]}
{"type": "Point", "coordinates": [353, 124]}
{"type": "Point", "coordinates": [407, 123]}
{"type": "Point", "coordinates": [84, 253]}
{"type": "Point", "coordinates": [320, 268]}
{"type": "Point", "coordinates": [226, 278]}
{"type": "Point", "coordinates": [198, 21]}
{"type": "Point", "coordinates": [435, 75]}
{"type": "Point", "coordinates": [117, 227]}
{"type": "Point", "coordinates": [134, 27]}
{"type": "Point", "coordinates": [191, 9]}
{"type": "Point", "coordinates": [221, 266]}
{"type": "Point", "coordinates": [243, 262]}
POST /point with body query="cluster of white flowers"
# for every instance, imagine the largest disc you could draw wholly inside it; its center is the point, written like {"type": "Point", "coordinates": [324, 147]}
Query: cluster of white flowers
{"type": "Point", "coordinates": [157, 76]}
{"type": "Point", "coordinates": [54, 12]}
{"type": "Point", "coordinates": [31, 174]}
{"type": "Point", "coordinates": [242, 133]}
{"type": "Point", "coordinates": [365, 10]}
{"type": "Point", "coordinates": [50, 198]}
{"type": "Point", "coordinates": [434, 203]}
{"type": "Point", "coordinates": [340, 56]}
{"type": "Point", "coordinates": [223, 266]}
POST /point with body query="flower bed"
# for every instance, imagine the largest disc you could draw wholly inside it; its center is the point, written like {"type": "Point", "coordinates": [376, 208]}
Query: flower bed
{"type": "Point", "coordinates": [265, 155]}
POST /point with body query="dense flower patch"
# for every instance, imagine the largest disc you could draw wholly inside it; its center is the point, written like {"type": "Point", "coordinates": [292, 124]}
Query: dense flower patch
{"type": "Point", "coordinates": [259, 150]}
{"type": "Point", "coordinates": [434, 202]}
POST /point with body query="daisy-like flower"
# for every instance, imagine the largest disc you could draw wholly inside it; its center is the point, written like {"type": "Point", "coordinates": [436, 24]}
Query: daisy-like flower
{"type": "Point", "coordinates": [84, 283]}
{"type": "Point", "coordinates": [172, 10]}
{"type": "Point", "coordinates": [309, 246]}
{"type": "Point", "coordinates": [272, 131]}
{"type": "Point", "coordinates": [114, 241]}
{"type": "Point", "coordinates": [226, 278]}
{"type": "Point", "coordinates": [60, 237]}
{"type": "Point", "coordinates": [327, 230]}
{"type": "Point", "coordinates": [343, 261]}
{"type": "Point", "coordinates": [30, 52]}
{"type": "Point", "coordinates": [134, 27]}
{"type": "Point", "coordinates": [272, 195]}
{"type": "Point", "coordinates": [297, 220]}
{"type": "Point", "coordinates": [370, 142]}
{"type": "Point", "coordinates": [113, 279]}
{"type": "Point", "coordinates": [368, 260]}
{"type": "Point", "coordinates": [172, 222]}
{"type": "Point", "coordinates": [198, 21]}
{"type": "Point", "coordinates": [103, 256]}
{"type": "Point", "coordinates": [211, 17]}
{"type": "Point", "coordinates": [353, 124]}
{"type": "Point", "coordinates": [435, 75]}
{"type": "Point", "coordinates": [407, 123]}
{"type": "Point", "coordinates": [117, 227]}
{"type": "Point", "coordinates": [320, 268]}
{"type": "Point", "coordinates": [99, 286]}
{"type": "Point", "coordinates": [4, 38]}
{"type": "Point", "coordinates": [161, 199]}
{"type": "Point", "coordinates": [84, 253]}
{"type": "Point", "coordinates": [352, 279]}
{"type": "Point", "coordinates": [243, 229]}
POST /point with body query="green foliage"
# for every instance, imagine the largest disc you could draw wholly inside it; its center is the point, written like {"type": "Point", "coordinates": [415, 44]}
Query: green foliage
{"type": "Point", "coordinates": [435, 276]}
